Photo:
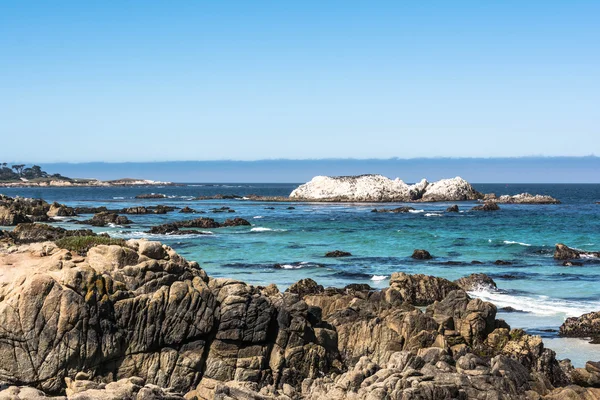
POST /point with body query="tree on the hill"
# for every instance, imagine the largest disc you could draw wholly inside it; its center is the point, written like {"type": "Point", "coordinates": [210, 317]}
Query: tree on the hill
{"type": "Point", "coordinates": [18, 168]}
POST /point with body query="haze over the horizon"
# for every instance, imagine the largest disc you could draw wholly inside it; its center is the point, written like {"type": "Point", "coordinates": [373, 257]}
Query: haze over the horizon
{"type": "Point", "coordinates": [157, 81]}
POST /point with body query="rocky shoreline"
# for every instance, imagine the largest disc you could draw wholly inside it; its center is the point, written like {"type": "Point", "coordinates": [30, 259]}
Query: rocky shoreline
{"type": "Point", "coordinates": [84, 183]}
{"type": "Point", "coordinates": [133, 319]}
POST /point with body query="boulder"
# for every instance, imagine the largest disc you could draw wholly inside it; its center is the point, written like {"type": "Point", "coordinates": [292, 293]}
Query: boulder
{"type": "Point", "coordinates": [105, 218]}
{"type": "Point", "coordinates": [563, 252]}
{"type": "Point", "coordinates": [151, 196]}
{"type": "Point", "coordinates": [526, 198]}
{"type": "Point", "coordinates": [475, 282]}
{"type": "Point", "coordinates": [60, 210]}
{"type": "Point", "coordinates": [419, 289]}
{"type": "Point", "coordinates": [235, 222]}
{"type": "Point", "coordinates": [187, 210]}
{"type": "Point", "coordinates": [586, 326]}
{"type": "Point", "coordinates": [36, 232]}
{"type": "Point", "coordinates": [487, 206]}
{"type": "Point", "coordinates": [453, 208]}
{"type": "Point", "coordinates": [420, 254]}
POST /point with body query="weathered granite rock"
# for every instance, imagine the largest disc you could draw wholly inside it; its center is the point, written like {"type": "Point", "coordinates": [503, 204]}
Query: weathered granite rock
{"type": "Point", "coordinates": [587, 325]}
{"type": "Point", "coordinates": [453, 208]}
{"type": "Point", "coordinates": [18, 210]}
{"type": "Point", "coordinates": [377, 188]}
{"type": "Point", "coordinates": [104, 218]}
{"type": "Point", "coordinates": [338, 253]}
{"type": "Point", "coordinates": [475, 282]}
{"type": "Point", "coordinates": [222, 210]}
{"type": "Point", "coordinates": [35, 232]}
{"type": "Point", "coordinates": [187, 210]}
{"type": "Point", "coordinates": [141, 315]}
{"type": "Point", "coordinates": [563, 252]}
{"type": "Point", "coordinates": [420, 254]}
{"type": "Point", "coordinates": [203, 223]}
{"type": "Point", "coordinates": [526, 198]}
{"type": "Point", "coordinates": [487, 206]}
{"type": "Point", "coordinates": [235, 222]}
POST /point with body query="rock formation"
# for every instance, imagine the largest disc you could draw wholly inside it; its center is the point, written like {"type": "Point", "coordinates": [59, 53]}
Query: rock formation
{"type": "Point", "coordinates": [585, 326]}
{"type": "Point", "coordinates": [137, 320]}
{"type": "Point", "coordinates": [393, 210]}
{"type": "Point", "coordinates": [105, 218]}
{"type": "Point", "coordinates": [338, 253]}
{"type": "Point", "coordinates": [487, 206]}
{"type": "Point", "coordinates": [17, 210]}
{"type": "Point", "coordinates": [173, 228]}
{"type": "Point", "coordinates": [563, 252]}
{"type": "Point", "coordinates": [377, 188]}
{"type": "Point", "coordinates": [526, 198]}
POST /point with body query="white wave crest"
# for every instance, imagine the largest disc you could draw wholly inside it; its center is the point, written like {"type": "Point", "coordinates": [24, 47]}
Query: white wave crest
{"type": "Point", "coordinates": [118, 198]}
{"type": "Point", "coordinates": [290, 266]}
{"type": "Point", "coordinates": [378, 277]}
{"type": "Point", "coordinates": [258, 217]}
{"type": "Point", "coordinates": [261, 229]}
{"type": "Point", "coordinates": [433, 215]}
{"type": "Point", "coordinates": [540, 305]}
{"type": "Point", "coordinates": [416, 211]}
{"type": "Point", "coordinates": [519, 243]}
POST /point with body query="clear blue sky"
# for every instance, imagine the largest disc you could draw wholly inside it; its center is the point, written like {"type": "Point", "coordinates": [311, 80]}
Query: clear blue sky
{"type": "Point", "coordinates": [206, 80]}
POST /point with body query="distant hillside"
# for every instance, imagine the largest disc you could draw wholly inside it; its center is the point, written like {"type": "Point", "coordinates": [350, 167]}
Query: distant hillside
{"type": "Point", "coordinates": [21, 173]}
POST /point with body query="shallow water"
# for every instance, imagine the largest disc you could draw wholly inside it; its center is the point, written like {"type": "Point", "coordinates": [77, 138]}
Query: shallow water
{"type": "Point", "coordinates": [382, 243]}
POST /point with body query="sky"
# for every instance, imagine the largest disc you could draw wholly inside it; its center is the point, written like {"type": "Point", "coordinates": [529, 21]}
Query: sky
{"type": "Point", "coordinates": [137, 81]}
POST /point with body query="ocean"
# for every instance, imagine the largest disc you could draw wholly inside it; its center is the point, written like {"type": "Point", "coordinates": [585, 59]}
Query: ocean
{"type": "Point", "coordinates": [284, 245]}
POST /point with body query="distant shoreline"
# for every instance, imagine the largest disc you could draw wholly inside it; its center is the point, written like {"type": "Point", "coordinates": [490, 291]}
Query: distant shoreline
{"type": "Point", "coordinates": [86, 183]}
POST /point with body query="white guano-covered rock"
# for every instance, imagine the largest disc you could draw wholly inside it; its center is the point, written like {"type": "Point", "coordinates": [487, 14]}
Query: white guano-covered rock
{"type": "Point", "coordinates": [378, 188]}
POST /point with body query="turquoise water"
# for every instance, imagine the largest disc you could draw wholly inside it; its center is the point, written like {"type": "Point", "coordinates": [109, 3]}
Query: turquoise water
{"type": "Point", "coordinates": [382, 243]}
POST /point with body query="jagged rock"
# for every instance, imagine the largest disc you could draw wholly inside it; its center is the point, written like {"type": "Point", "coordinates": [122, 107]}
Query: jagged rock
{"type": "Point", "coordinates": [453, 208]}
{"type": "Point", "coordinates": [18, 210]}
{"type": "Point", "coordinates": [502, 262]}
{"type": "Point", "coordinates": [475, 281]}
{"type": "Point", "coordinates": [338, 253]}
{"type": "Point", "coordinates": [305, 287]}
{"type": "Point", "coordinates": [421, 289]}
{"type": "Point", "coordinates": [587, 325]}
{"type": "Point", "coordinates": [487, 206]}
{"type": "Point", "coordinates": [393, 210]}
{"type": "Point", "coordinates": [90, 210]}
{"type": "Point", "coordinates": [377, 188]}
{"type": "Point", "coordinates": [563, 252]}
{"type": "Point", "coordinates": [526, 198]}
{"type": "Point", "coordinates": [421, 254]}
{"type": "Point", "coordinates": [60, 210]}
{"type": "Point", "coordinates": [104, 218]}
{"type": "Point", "coordinates": [35, 232]}
{"type": "Point", "coordinates": [235, 222]}
{"type": "Point", "coordinates": [187, 210]}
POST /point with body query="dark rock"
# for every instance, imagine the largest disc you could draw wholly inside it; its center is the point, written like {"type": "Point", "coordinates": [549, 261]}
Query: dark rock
{"type": "Point", "coordinates": [421, 254]}
{"type": "Point", "coordinates": [393, 210]}
{"type": "Point", "coordinates": [476, 281]}
{"type": "Point", "coordinates": [219, 197]}
{"type": "Point", "coordinates": [475, 262]}
{"type": "Point", "coordinates": [269, 208]}
{"type": "Point", "coordinates": [235, 222]}
{"type": "Point", "coordinates": [90, 210]}
{"type": "Point", "coordinates": [104, 218]}
{"type": "Point", "coordinates": [502, 262]}
{"type": "Point", "coordinates": [290, 208]}
{"type": "Point", "coordinates": [338, 253]}
{"type": "Point", "coordinates": [187, 210]}
{"type": "Point", "coordinates": [151, 196]}
{"type": "Point", "coordinates": [305, 287]}
{"type": "Point", "coordinates": [487, 206]}
{"type": "Point", "coordinates": [572, 264]}
{"type": "Point", "coordinates": [453, 208]}
{"type": "Point", "coordinates": [421, 289]}
{"type": "Point", "coordinates": [29, 233]}
{"type": "Point", "coordinates": [563, 252]}
{"type": "Point", "coordinates": [510, 309]}
{"type": "Point", "coordinates": [204, 223]}
{"type": "Point", "coordinates": [587, 325]}
{"type": "Point", "coordinates": [222, 210]}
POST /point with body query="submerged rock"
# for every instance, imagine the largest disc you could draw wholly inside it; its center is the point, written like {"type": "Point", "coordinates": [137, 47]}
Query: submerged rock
{"type": "Point", "coordinates": [151, 196]}
{"type": "Point", "coordinates": [338, 253]}
{"type": "Point", "coordinates": [393, 210]}
{"type": "Point", "coordinates": [377, 188]}
{"type": "Point", "coordinates": [420, 254]}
